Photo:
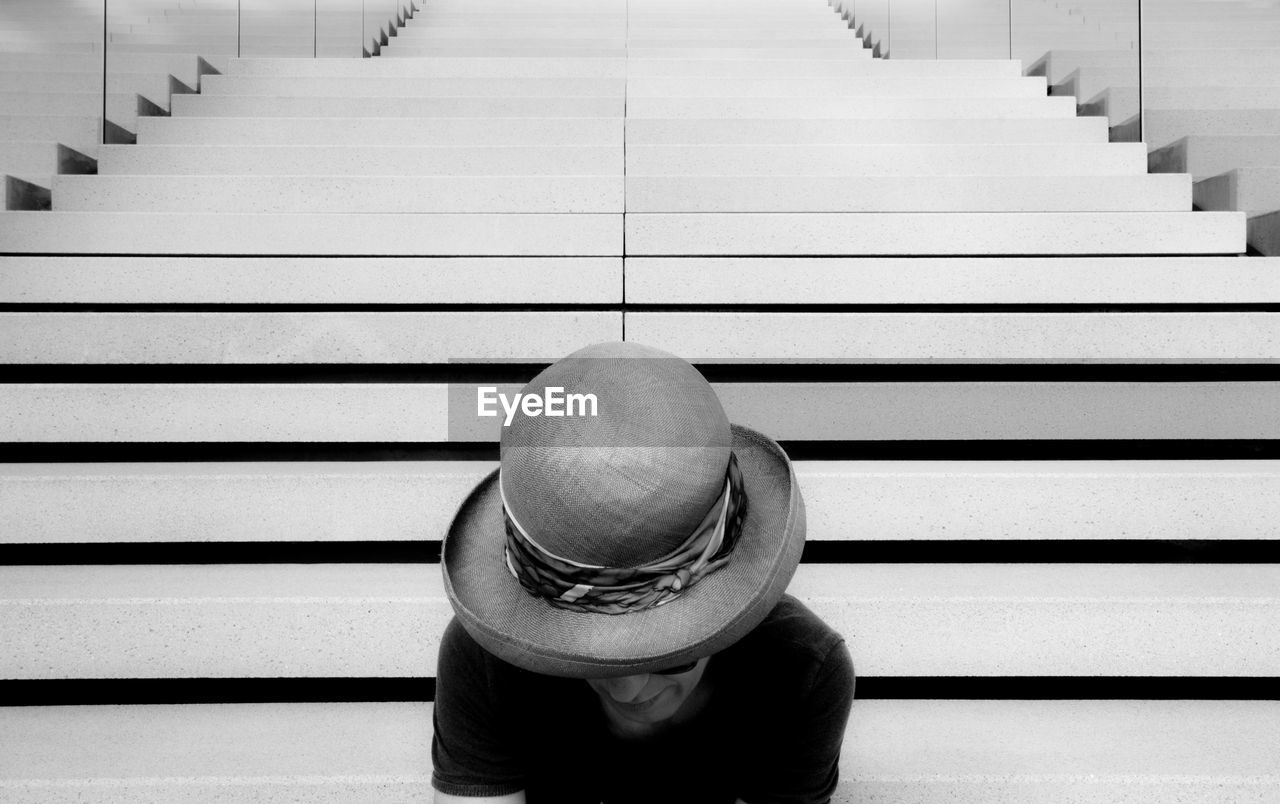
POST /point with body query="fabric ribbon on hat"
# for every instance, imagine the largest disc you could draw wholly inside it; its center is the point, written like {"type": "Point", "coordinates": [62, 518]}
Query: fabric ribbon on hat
{"type": "Point", "coordinates": [570, 585]}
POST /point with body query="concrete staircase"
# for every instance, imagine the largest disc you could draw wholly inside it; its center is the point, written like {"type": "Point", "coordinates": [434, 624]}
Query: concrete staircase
{"type": "Point", "coordinates": [1027, 388]}
{"type": "Point", "coordinates": [1210, 102]}
{"type": "Point", "coordinates": [54, 71]}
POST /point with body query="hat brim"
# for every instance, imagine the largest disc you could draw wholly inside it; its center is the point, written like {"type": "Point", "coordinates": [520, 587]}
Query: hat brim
{"type": "Point", "coordinates": [716, 612]}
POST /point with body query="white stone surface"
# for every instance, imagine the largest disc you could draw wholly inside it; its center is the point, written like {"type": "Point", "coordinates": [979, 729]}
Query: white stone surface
{"type": "Point", "coordinates": [311, 337]}
{"type": "Point", "coordinates": [1163, 126]}
{"type": "Point", "coordinates": [380, 131]}
{"type": "Point", "coordinates": [997, 159]}
{"type": "Point", "coordinates": [1004, 410]}
{"type": "Point", "coordinates": [319, 234]}
{"type": "Point", "coordinates": [1252, 190]}
{"type": "Point", "coordinates": [777, 131]}
{"type": "Point", "coordinates": [832, 87]}
{"type": "Point", "coordinates": [801, 67]}
{"type": "Point", "coordinates": [304, 412]}
{"type": "Point", "coordinates": [712, 281]}
{"type": "Point", "coordinates": [1205, 156]}
{"type": "Point", "coordinates": [928, 193]}
{"type": "Point", "coordinates": [995, 337]}
{"type": "Point", "coordinates": [924, 233]}
{"type": "Point", "coordinates": [390, 161]}
{"type": "Point", "coordinates": [844, 500]}
{"type": "Point", "coordinates": [381, 194]}
{"type": "Point", "coordinates": [849, 107]}
{"type": "Point", "coordinates": [399, 87]}
{"type": "Point", "coordinates": [1264, 233]}
{"type": "Point", "coordinates": [255, 620]}
{"type": "Point", "coordinates": [79, 131]}
{"type": "Point", "coordinates": [286, 106]}
{"type": "Point", "coordinates": [181, 66]}
{"type": "Point", "coordinates": [333, 280]}
{"type": "Point", "coordinates": [872, 411]}
{"type": "Point", "coordinates": [431, 67]}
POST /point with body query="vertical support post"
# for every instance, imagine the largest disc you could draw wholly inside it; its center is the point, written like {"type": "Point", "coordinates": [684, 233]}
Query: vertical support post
{"type": "Point", "coordinates": [1142, 106]}
{"type": "Point", "coordinates": [106, 36]}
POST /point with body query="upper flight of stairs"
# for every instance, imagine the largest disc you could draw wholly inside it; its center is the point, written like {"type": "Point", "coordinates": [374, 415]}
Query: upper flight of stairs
{"type": "Point", "coordinates": [1214, 93]}
{"type": "Point", "coordinates": [1027, 388]}
{"type": "Point", "coordinates": [52, 64]}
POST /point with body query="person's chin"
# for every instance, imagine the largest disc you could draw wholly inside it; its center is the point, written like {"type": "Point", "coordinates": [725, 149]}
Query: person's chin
{"type": "Point", "coordinates": [653, 710]}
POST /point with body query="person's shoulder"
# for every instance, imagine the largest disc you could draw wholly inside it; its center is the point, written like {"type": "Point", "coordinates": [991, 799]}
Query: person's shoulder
{"type": "Point", "coordinates": [792, 627]}
{"type": "Point", "coordinates": [793, 642]}
{"type": "Point", "coordinates": [461, 653]}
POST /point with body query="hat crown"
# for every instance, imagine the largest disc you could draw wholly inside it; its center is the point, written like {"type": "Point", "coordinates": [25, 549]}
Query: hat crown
{"type": "Point", "coordinates": [631, 483]}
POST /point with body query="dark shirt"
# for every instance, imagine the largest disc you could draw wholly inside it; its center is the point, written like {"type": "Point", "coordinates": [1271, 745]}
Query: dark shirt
{"type": "Point", "coordinates": [770, 732]}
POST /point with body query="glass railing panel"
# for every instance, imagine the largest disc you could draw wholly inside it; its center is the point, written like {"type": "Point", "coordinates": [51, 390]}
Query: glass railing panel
{"type": "Point", "coordinates": [51, 80]}
{"type": "Point", "coordinates": [973, 29]}
{"type": "Point", "coordinates": [279, 28]}
{"type": "Point", "coordinates": [339, 29]}
{"type": "Point", "coordinates": [157, 51]}
{"type": "Point", "coordinates": [914, 26]}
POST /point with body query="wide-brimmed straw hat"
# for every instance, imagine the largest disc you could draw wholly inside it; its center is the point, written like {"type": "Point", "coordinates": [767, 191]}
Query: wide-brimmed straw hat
{"type": "Point", "coordinates": [642, 537]}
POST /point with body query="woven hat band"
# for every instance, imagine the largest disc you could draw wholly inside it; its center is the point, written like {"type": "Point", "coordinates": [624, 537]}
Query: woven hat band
{"type": "Point", "coordinates": [575, 586]}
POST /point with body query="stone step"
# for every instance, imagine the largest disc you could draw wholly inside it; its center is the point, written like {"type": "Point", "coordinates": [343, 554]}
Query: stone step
{"type": "Point", "coordinates": [38, 161]}
{"type": "Point", "coordinates": [288, 106]}
{"type": "Point", "coordinates": [1205, 156]}
{"type": "Point", "coordinates": [1037, 752]}
{"type": "Point", "coordinates": [334, 280]}
{"type": "Point", "coordinates": [312, 337]}
{"type": "Point", "coordinates": [122, 107]}
{"type": "Point", "coordinates": [812, 68]}
{"type": "Point", "coordinates": [397, 88]}
{"type": "Point", "coordinates": [1253, 190]}
{"type": "Point", "coordinates": [921, 107]}
{"type": "Point", "coordinates": [317, 234]}
{"type": "Point", "coordinates": [877, 193]}
{"type": "Point", "coordinates": [995, 233]}
{"type": "Point", "coordinates": [456, 132]}
{"type": "Point", "coordinates": [1003, 159]}
{"type": "Point", "coordinates": [1164, 126]}
{"type": "Point", "coordinates": [639, 51]}
{"type": "Point", "coordinates": [181, 66]}
{"type": "Point", "coordinates": [279, 338]}
{"type": "Point", "coordinates": [1264, 233]}
{"type": "Point", "coordinates": [650, 280]}
{"type": "Point", "coordinates": [364, 160]}
{"type": "Point", "coordinates": [860, 131]}
{"type": "Point", "coordinates": [431, 67]}
{"type": "Point", "coordinates": [303, 413]}
{"type": "Point", "coordinates": [342, 194]}
{"type": "Point", "coordinates": [987, 337]}
{"type": "Point", "coordinates": [1125, 98]}
{"type": "Point", "coordinates": [1221, 66]}
{"type": "Point", "coordinates": [836, 87]}
{"type": "Point", "coordinates": [153, 85]}
{"type": "Point", "coordinates": [370, 620]}
{"type": "Point", "coordinates": [948, 280]}
{"type": "Point", "coordinates": [845, 501]}
{"type": "Point", "coordinates": [428, 34]}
